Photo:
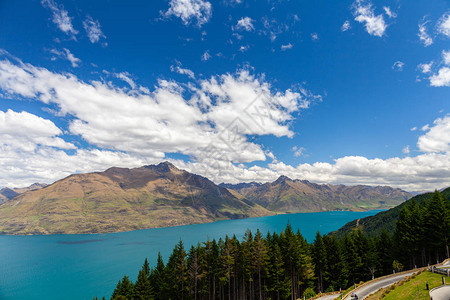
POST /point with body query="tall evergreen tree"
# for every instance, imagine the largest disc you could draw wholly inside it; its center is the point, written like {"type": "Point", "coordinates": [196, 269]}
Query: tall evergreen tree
{"type": "Point", "coordinates": [124, 289]}
{"type": "Point", "coordinates": [143, 289]}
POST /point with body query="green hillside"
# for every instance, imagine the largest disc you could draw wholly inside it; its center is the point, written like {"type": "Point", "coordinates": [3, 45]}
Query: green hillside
{"type": "Point", "coordinates": [374, 225]}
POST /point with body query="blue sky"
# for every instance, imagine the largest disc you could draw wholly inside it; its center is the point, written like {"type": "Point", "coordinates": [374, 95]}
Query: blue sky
{"type": "Point", "coordinates": [358, 91]}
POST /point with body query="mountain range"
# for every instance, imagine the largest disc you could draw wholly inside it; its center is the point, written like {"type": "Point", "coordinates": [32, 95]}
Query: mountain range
{"type": "Point", "coordinates": [9, 193]}
{"type": "Point", "coordinates": [286, 195]}
{"type": "Point", "coordinates": [122, 199]}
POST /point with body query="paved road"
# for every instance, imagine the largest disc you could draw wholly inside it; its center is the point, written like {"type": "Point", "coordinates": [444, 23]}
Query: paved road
{"type": "Point", "coordinates": [375, 286]}
{"type": "Point", "coordinates": [442, 293]}
{"type": "Point", "coordinates": [328, 297]}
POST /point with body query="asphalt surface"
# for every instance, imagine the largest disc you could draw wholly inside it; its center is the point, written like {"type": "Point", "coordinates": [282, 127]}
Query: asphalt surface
{"type": "Point", "coordinates": [442, 293]}
{"type": "Point", "coordinates": [375, 286]}
{"type": "Point", "coordinates": [328, 297]}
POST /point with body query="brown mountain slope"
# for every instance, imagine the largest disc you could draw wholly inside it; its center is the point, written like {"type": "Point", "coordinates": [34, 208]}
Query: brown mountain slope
{"type": "Point", "coordinates": [7, 193]}
{"type": "Point", "coordinates": [121, 199]}
{"type": "Point", "coordinates": [287, 195]}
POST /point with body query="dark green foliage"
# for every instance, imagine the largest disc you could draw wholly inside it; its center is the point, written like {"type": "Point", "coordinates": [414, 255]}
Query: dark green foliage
{"type": "Point", "coordinates": [284, 266]}
{"type": "Point", "coordinates": [124, 289]}
{"type": "Point", "coordinates": [143, 289]}
{"type": "Point", "coordinates": [386, 220]}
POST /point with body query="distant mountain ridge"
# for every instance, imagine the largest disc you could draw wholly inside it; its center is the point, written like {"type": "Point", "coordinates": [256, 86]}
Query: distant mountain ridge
{"type": "Point", "coordinates": [9, 193]}
{"type": "Point", "coordinates": [121, 199]}
{"type": "Point", "coordinates": [288, 195]}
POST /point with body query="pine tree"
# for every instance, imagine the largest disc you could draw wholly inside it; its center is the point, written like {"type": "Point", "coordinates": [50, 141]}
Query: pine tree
{"type": "Point", "coordinates": [143, 288]}
{"type": "Point", "coordinates": [177, 272]}
{"type": "Point", "coordinates": [384, 250]}
{"type": "Point", "coordinates": [260, 260]}
{"type": "Point", "coordinates": [158, 279]}
{"type": "Point", "coordinates": [194, 269]}
{"type": "Point", "coordinates": [124, 289]}
{"type": "Point", "coordinates": [437, 226]}
{"type": "Point", "coordinates": [320, 261]}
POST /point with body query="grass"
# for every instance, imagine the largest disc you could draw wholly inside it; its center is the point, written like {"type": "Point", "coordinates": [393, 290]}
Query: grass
{"type": "Point", "coordinates": [412, 289]}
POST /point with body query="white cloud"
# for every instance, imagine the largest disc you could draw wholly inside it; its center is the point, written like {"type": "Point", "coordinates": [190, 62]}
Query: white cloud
{"type": "Point", "coordinates": [389, 12]}
{"type": "Point", "coordinates": [424, 37]}
{"type": "Point", "coordinates": [66, 54]}
{"type": "Point", "coordinates": [298, 151]}
{"type": "Point", "coordinates": [273, 28]}
{"type": "Point", "coordinates": [437, 138]}
{"type": "Point", "coordinates": [183, 71]}
{"type": "Point", "coordinates": [406, 150]}
{"type": "Point", "coordinates": [93, 29]}
{"type": "Point", "coordinates": [189, 10]}
{"type": "Point", "coordinates": [126, 77]}
{"type": "Point", "coordinates": [364, 13]}
{"type": "Point", "coordinates": [442, 78]}
{"type": "Point", "coordinates": [314, 36]}
{"type": "Point", "coordinates": [414, 128]}
{"type": "Point", "coordinates": [425, 68]}
{"type": "Point", "coordinates": [446, 57]}
{"type": "Point", "coordinates": [244, 48]}
{"type": "Point", "coordinates": [245, 23]}
{"type": "Point", "coordinates": [134, 128]}
{"type": "Point", "coordinates": [346, 26]}
{"type": "Point", "coordinates": [60, 17]}
{"type": "Point", "coordinates": [165, 120]}
{"type": "Point", "coordinates": [443, 26]}
{"type": "Point", "coordinates": [25, 131]}
{"type": "Point", "coordinates": [398, 66]}
{"type": "Point", "coordinates": [286, 47]}
{"type": "Point", "coordinates": [206, 56]}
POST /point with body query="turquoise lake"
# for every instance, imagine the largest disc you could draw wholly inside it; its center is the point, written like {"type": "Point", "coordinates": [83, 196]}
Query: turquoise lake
{"type": "Point", "coordinates": [84, 266]}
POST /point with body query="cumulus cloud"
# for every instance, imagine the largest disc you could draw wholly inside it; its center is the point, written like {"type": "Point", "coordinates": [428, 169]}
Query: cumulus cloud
{"type": "Point", "coordinates": [364, 13]}
{"type": "Point", "coordinates": [443, 25]}
{"type": "Point", "coordinates": [245, 23]}
{"type": "Point", "coordinates": [209, 120]}
{"type": "Point", "coordinates": [398, 66]}
{"type": "Point", "coordinates": [425, 68]}
{"type": "Point", "coordinates": [346, 26]}
{"type": "Point", "coordinates": [60, 17]}
{"type": "Point", "coordinates": [423, 34]}
{"type": "Point", "coordinates": [442, 78]}
{"type": "Point", "coordinates": [93, 29]}
{"type": "Point", "coordinates": [66, 54]}
{"type": "Point", "coordinates": [314, 36]}
{"type": "Point", "coordinates": [216, 118]}
{"type": "Point", "coordinates": [26, 131]}
{"type": "Point", "coordinates": [189, 10]}
{"type": "Point", "coordinates": [437, 137]}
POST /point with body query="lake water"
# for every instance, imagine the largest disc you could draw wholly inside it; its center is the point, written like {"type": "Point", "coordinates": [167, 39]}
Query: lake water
{"type": "Point", "coordinates": [83, 266]}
